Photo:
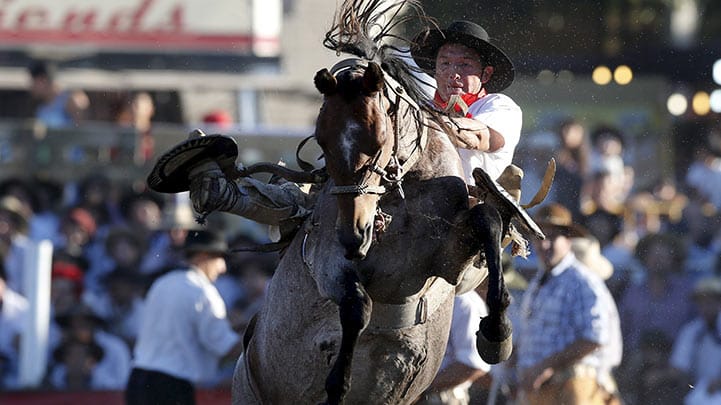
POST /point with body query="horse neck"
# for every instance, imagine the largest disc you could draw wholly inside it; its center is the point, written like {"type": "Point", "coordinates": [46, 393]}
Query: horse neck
{"type": "Point", "coordinates": [410, 127]}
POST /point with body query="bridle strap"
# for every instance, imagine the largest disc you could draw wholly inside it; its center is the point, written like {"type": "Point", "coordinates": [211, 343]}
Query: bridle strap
{"type": "Point", "coordinates": [395, 93]}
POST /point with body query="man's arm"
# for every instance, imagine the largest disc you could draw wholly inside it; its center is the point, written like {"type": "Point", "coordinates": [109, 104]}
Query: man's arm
{"type": "Point", "coordinates": [468, 133]}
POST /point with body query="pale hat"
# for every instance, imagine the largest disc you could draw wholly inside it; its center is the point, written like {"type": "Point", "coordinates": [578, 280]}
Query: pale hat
{"type": "Point", "coordinates": [588, 252]}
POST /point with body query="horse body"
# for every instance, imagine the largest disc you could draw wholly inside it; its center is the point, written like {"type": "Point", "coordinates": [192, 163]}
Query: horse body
{"type": "Point", "coordinates": [298, 332]}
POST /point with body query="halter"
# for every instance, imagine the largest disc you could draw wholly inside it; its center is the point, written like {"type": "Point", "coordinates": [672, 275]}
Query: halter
{"type": "Point", "coordinates": [392, 174]}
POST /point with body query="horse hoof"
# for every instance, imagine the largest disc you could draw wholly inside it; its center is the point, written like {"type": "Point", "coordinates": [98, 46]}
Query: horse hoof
{"type": "Point", "coordinates": [493, 352]}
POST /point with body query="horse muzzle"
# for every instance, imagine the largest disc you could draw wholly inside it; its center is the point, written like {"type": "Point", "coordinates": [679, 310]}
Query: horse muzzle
{"type": "Point", "coordinates": [356, 241]}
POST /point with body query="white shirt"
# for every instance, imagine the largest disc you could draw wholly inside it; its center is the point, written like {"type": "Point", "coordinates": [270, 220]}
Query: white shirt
{"type": "Point", "coordinates": [184, 330]}
{"type": "Point", "coordinates": [498, 112]}
{"type": "Point", "coordinates": [13, 317]}
{"type": "Point", "coordinates": [468, 308]}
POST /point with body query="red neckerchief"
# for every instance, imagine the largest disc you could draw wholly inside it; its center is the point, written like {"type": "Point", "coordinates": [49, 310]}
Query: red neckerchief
{"type": "Point", "coordinates": [468, 98]}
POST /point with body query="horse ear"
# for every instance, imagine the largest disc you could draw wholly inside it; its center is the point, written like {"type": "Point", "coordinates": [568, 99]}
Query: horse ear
{"type": "Point", "coordinates": [373, 78]}
{"type": "Point", "coordinates": [325, 82]}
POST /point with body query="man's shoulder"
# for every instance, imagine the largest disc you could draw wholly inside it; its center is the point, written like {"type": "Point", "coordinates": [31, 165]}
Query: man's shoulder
{"type": "Point", "coordinates": [494, 102]}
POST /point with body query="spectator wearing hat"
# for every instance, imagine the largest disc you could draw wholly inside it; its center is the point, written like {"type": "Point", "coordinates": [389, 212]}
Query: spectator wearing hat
{"type": "Point", "coordinates": [697, 349]}
{"type": "Point", "coordinates": [67, 282]}
{"type": "Point", "coordinates": [569, 339]}
{"type": "Point", "coordinates": [74, 366]}
{"type": "Point", "coordinates": [185, 330]}
{"type": "Point", "coordinates": [76, 233]}
{"type": "Point", "coordinates": [121, 303]}
{"type": "Point", "coordinates": [57, 107]}
{"type": "Point", "coordinates": [80, 325]}
{"type": "Point", "coordinates": [470, 72]}
{"type": "Point", "coordinates": [122, 248]}
{"type": "Point", "coordinates": [14, 241]}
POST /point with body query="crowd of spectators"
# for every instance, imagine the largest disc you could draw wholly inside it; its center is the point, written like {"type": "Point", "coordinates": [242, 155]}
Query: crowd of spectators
{"type": "Point", "coordinates": [664, 241]}
{"type": "Point", "coordinates": [110, 242]}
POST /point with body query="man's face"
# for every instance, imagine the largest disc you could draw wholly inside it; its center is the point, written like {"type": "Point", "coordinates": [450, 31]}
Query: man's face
{"type": "Point", "coordinates": [459, 70]}
{"type": "Point", "coordinates": [215, 266]}
{"type": "Point", "coordinates": [552, 249]}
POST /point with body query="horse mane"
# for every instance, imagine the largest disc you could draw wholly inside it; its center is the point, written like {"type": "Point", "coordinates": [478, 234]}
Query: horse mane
{"type": "Point", "coordinates": [368, 29]}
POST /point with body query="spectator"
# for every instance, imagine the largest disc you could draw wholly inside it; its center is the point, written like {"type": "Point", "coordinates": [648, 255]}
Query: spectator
{"type": "Point", "coordinates": [123, 248]}
{"type": "Point", "coordinates": [659, 300]}
{"type": "Point", "coordinates": [122, 306]}
{"type": "Point", "coordinates": [76, 233]}
{"type": "Point", "coordinates": [573, 160]}
{"type": "Point", "coordinates": [57, 107]}
{"type": "Point", "coordinates": [607, 156]}
{"type": "Point", "coordinates": [136, 111]}
{"type": "Point", "coordinates": [184, 331]}
{"type": "Point", "coordinates": [697, 348]}
{"type": "Point", "coordinates": [81, 324]}
{"type": "Point", "coordinates": [461, 365]}
{"type": "Point", "coordinates": [14, 242]}
{"type": "Point", "coordinates": [143, 212]}
{"type": "Point", "coordinates": [67, 282]}
{"type": "Point", "coordinates": [75, 365]}
{"type": "Point", "coordinates": [13, 313]}
{"type": "Point", "coordinates": [704, 173]}
{"type": "Point", "coordinates": [569, 340]}
{"type": "Point", "coordinates": [702, 224]}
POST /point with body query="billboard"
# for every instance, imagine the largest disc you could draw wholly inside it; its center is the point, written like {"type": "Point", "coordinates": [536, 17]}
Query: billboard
{"type": "Point", "coordinates": [235, 26]}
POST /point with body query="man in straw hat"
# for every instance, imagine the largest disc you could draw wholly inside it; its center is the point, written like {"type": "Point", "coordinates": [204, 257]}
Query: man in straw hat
{"type": "Point", "coordinates": [570, 337]}
{"type": "Point", "coordinates": [185, 330]}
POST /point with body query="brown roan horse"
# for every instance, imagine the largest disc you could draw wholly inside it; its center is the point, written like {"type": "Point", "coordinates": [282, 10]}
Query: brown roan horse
{"type": "Point", "coordinates": [359, 309]}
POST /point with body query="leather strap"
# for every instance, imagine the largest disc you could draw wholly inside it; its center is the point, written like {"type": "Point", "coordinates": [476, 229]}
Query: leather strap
{"type": "Point", "coordinates": [398, 316]}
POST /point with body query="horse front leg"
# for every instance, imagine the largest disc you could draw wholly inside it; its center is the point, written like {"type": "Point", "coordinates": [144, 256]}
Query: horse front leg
{"type": "Point", "coordinates": [355, 311]}
{"type": "Point", "coordinates": [494, 338]}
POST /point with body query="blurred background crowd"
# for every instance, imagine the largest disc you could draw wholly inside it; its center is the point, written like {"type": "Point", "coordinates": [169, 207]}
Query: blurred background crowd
{"type": "Point", "coordinates": [638, 162]}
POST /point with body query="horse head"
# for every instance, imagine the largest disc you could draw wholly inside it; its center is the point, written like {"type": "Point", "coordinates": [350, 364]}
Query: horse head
{"type": "Point", "coordinates": [355, 132]}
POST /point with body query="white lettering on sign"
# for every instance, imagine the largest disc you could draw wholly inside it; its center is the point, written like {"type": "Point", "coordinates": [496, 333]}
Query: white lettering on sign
{"type": "Point", "coordinates": [224, 25]}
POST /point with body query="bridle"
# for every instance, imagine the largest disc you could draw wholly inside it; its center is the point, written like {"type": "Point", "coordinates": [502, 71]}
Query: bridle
{"type": "Point", "coordinates": [392, 173]}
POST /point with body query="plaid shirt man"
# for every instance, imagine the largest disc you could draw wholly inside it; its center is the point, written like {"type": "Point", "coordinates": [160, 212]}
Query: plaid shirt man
{"type": "Point", "coordinates": [573, 303]}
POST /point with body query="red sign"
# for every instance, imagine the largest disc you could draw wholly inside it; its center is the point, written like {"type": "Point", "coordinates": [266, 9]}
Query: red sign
{"type": "Point", "coordinates": [215, 25]}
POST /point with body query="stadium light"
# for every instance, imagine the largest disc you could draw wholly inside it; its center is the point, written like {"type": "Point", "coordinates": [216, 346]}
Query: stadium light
{"type": "Point", "coordinates": [677, 104]}
{"type": "Point", "coordinates": [700, 103]}
{"type": "Point", "coordinates": [715, 101]}
{"type": "Point", "coordinates": [601, 75]}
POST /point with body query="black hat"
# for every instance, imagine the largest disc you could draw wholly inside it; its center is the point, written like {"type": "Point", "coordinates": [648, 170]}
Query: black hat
{"type": "Point", "coordinates": [205, 241]}
{"type": "Point", "coordinates": [427, 43]}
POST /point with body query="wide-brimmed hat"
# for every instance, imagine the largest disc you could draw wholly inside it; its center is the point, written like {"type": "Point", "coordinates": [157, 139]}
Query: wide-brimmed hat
{"type": "Point", "coordinates": [556, 216]}
{"type": "Point", "coordinates": [171, 173]}
{"type": "Point", "coordinates": [205, 241]}
{"type": "Point", "coordinates": [426, 45]}
{"type": "Point", "coordinates": [588, 252]}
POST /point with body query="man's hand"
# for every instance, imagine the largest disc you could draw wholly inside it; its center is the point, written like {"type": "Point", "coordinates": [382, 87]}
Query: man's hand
{"type": "Point", "coordinates": [534, 378]}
